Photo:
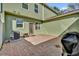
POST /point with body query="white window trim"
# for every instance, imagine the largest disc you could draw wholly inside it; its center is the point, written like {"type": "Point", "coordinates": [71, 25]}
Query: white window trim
{"type": "Point", "coordinates": [19, 27]}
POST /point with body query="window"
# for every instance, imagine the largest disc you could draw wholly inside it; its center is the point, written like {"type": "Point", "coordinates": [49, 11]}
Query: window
{"type": "Point", "coordinates": [37, 26]}
{"type": "Point", "coordinates": [25, 5]}
{"type": "Point", "coordinates": [36, 8]}
{"type": "Point", "coordinates": [19, 23]}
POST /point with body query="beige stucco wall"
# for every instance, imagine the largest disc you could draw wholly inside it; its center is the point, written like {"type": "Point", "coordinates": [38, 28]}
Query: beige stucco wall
{"type": "Point", "coordinates": [56, 27]}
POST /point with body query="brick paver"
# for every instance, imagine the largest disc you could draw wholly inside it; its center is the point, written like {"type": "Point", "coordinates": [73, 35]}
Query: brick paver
{"type": "Point", "coordinates": [22, 47]}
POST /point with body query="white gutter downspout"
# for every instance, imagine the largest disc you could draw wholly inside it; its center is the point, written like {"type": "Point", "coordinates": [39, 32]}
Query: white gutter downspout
{"type": "Point", "coordinates": [1, 25]}
{"type": "Point", "coordinates": [1, 31]}
{"type": "Point", "coordinates": [42, 12]}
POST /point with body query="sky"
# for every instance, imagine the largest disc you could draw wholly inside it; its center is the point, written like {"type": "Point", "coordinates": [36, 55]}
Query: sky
{"type": "Point", "coordinates": [59, 5]}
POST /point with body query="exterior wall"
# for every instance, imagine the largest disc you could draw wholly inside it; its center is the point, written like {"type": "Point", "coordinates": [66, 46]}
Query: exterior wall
{"type": "Point", "coordinates": [23, 30]}
{"type": "Point", "coordinates": [56, 27]}
{"type": "Point", "coordinates": [73, 28]}
{"type": "Point", "coordinates": [43, 12]}
{"type": "Point", "coordinates": [48, 13]}
{"type": "Point", "coordinates": [17, 8]}
{"type": "Point", "coordinates": [10, 21]}
{"type": "Point", "coordinates": [10, 25]}
{"type": "Point", "coordinates": [50, 28]}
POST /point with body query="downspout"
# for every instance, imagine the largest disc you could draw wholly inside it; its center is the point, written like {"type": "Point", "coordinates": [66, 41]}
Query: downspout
{"type": "Point", "coordinates": [1, 7]}
{"type": "Point", "coordinates": [42, 12]}
{"type": "Point", "coordinates": [1, 43]}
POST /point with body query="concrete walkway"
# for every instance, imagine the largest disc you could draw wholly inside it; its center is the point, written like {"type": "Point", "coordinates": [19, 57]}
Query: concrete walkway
{"type": "Point", "coordinates": [22, 47]}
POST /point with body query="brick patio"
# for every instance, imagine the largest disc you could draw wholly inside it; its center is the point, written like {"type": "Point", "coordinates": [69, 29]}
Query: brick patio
{"type": "Point", "coordinates": [22, 47]}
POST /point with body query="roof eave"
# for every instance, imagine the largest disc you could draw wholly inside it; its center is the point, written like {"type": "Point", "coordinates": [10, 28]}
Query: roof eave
{"type": "Point", "coordinates": [49, 8]}
{"type": "Point", "coordinates": [18, 15]}
{"type": "Point", "coordinates": [60, 16]}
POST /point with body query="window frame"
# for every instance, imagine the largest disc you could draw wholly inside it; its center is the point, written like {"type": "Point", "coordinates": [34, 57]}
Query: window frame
{"type": "Point", "coordinates": [25, 7]}
{"type": "Point", "coordinates": [19, 23]}
{"type": "Point", "coordinates": [37, 26]}
{"type": "Point", "coordinates": [36, 8]}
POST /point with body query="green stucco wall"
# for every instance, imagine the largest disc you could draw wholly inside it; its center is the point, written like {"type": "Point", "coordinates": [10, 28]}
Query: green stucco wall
{"type": "Point", "coordinates": [50, 28]}
{"type": "Point", "coordinates": [73, 28]}
{"type": "Point", "coordinates": [17, 9]}
{"type": "Point", "coordinates": [10, 25]}
{"type": "Point", "coordinates": [56, 28]}
{"type": "Point", "coordinates": [48, 13]}
{"type": "Point", "coordinates": [24, 29]}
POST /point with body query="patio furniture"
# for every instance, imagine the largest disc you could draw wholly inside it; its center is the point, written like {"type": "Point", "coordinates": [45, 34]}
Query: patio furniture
{"type": "Point", "coordinates": [25, 35]}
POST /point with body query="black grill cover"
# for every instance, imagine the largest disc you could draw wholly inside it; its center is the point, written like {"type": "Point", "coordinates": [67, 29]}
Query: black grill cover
{"type": "Point", "coordinates": [70, 42]}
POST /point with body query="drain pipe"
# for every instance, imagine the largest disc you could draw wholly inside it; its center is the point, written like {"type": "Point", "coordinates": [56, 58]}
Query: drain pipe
{"type": "Point", "coordinates": [1, 11]}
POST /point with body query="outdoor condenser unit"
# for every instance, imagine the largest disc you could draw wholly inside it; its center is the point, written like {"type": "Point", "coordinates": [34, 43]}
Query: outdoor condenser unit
{"type": "Point", "coordinates": [15, 35]}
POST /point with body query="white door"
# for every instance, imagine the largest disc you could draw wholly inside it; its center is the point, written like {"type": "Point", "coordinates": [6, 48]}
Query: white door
{"type": "Point", "coordinates": [0, 33]}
